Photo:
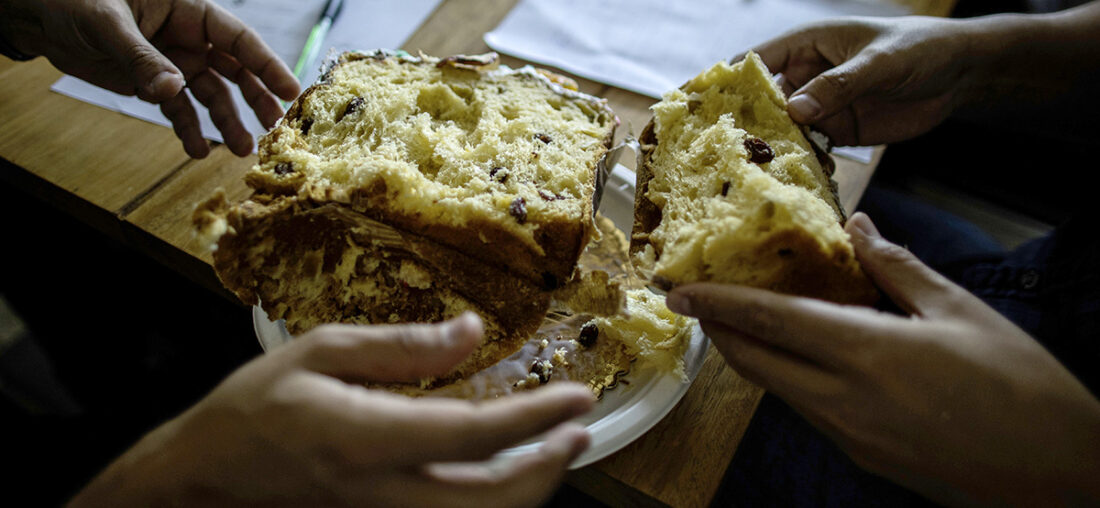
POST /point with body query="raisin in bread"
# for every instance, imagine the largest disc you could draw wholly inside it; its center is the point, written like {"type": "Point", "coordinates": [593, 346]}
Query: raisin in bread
{"type": "Point", "coordinates": [410, 189]}
{"type": "Point", "coordinates": [730, 190]}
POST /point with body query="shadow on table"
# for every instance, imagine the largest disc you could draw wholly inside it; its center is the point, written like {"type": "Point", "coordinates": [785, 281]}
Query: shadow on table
{"type": "Point", "coordinates": [113, 344]}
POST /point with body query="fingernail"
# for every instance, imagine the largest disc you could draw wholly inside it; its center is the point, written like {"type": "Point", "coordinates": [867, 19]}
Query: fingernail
{"type": "Point", "coordinates": [678, 303]}
{"type": "Point", "coordinates": [580, 442]}
{"type": "Point", "coordinates": [862, 223]}
{"type": "Point", "coordinates": [805, 107]}
{"type": "Point", "coordinates": [461, 325]}
{"type": "Point", "coordinates": [570, 440]}
{"type": "Point", "coordinates": [164, 82]}
{"type": "Point", "coordinates": [455, 326]}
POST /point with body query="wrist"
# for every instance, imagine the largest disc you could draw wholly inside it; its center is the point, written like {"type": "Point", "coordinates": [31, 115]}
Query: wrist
{"type": "Point", "coordinates": [992, 44]}
{"type": "Point", "coordinates": [1087, 469]}
{"type": "Point", "coordinates": [1028, 54]}
{"type": "Point", "coordinates": [141, 476]}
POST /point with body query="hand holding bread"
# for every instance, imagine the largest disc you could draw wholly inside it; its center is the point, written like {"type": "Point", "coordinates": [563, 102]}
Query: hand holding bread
{"type": "Point", "coordinates": [296, 427]}
{"type": "Point", "coordinates": [868, 81]}
{"type": "Point", "coordinates": [952, 400]}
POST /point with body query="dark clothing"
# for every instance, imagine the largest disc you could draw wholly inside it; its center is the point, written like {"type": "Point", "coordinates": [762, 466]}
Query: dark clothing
{"type": "Point", "coordinates": [116, 344]}
{"type": "Point", "coordinates": [1050, 287]}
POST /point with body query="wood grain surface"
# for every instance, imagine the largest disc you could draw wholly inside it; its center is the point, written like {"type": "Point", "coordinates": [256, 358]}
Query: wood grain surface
{"type": "Point", "coordinates": [132, 180]}
{"type": "Point", "coordinates": [75, 154]}
{"type": "Point", "coordinates": [160, 224]}
{"type": "Point", "coordinates": [6, 64]}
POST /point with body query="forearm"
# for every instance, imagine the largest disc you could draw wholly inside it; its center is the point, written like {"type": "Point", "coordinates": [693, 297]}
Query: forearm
{"type": "Point", "coordinates": [1030, 70]}
{"type": "Point", "coordinates": [142, 476]}
{"type": "Point", "coordinates": [1064, 465]}
{"type": "Point", "coordinates": [1082, 466]}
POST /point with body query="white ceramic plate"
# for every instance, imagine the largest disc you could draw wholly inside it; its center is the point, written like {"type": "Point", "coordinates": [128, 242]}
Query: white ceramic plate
{"type": "Point", "coordinates": [626, 411]}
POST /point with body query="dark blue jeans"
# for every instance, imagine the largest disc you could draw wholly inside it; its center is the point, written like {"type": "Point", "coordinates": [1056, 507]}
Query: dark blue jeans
{"type": "Point", "coordinates": [1049, 287]}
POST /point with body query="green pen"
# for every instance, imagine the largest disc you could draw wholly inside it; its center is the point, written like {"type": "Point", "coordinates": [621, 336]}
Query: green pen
{"type": "Point", "coordinates": [316, 38]}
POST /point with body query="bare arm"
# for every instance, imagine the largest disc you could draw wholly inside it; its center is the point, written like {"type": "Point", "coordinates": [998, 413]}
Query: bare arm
{"type": "Point", "coordinates": [1038, 71]}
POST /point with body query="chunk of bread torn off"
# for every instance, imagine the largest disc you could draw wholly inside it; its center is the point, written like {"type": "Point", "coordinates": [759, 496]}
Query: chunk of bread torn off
{"type": "Point", "coordinates": [656, 335]}
{"type": "Point", "coordinates": [730, 190]}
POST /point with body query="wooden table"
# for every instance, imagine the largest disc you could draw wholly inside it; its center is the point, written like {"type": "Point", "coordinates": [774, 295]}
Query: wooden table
{"type": "Point", "coordinates": [132, 180]}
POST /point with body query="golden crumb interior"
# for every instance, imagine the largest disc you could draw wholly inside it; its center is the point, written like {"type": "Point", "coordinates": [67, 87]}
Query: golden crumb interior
{"type": "Point", "coordinates": [730, 171]}
{"type": "Point", "coordinates": [649, 330]}
{"type": "Point", "coordinates": [449, 144]}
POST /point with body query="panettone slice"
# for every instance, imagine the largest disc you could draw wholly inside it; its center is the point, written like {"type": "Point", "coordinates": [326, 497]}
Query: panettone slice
{"type": "Point", "coordinates": [731, 190]}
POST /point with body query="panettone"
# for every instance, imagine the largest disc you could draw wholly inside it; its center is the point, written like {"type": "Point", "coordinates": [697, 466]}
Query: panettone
{"type": "Point", "coordinates": [731, 190]}
{"type": "Point", "coordinates": [409, 189]}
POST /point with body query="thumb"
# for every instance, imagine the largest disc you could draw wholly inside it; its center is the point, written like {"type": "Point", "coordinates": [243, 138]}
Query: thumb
{"type": "Point", "coordinates": [831, 91]}
{"type": "Point", "coordinates": [911, 284]}
{"type": "Point", "coordinates": [155, 79]}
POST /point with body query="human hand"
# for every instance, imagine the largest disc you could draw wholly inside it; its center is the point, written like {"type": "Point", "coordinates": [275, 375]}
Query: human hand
{"type": "Point", "coordinates": [953, 400]}
{"type": "Point", "coordinates": [293, 428]}
{"type": "Point", "coordinates": [865, 81]}
{"type": "Point", "coordinates": [151, 48]}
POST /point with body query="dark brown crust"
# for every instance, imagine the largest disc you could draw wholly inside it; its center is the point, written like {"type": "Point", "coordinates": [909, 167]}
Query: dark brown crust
{"type": "Point", "coordinates": [647, 216]}
{"type": "Point", "coordinates": [470, 62]}
{"type": "Point", "coordinates": [829, 166]}
{"type": "Point", "coordinates": [301, 226]}
{"type": "Point", "coordinates": [809, 271]}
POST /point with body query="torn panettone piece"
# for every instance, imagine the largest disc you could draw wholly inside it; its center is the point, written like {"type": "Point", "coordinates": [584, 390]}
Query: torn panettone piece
{"type": "Point", "coordinates": [731, 190]}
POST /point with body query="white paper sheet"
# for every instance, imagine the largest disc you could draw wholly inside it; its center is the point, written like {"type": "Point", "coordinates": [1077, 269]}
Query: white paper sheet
{"type": "Point", "coordinates": [284, 26]}
{"type": "Point", "coordinates": [652, 46]}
